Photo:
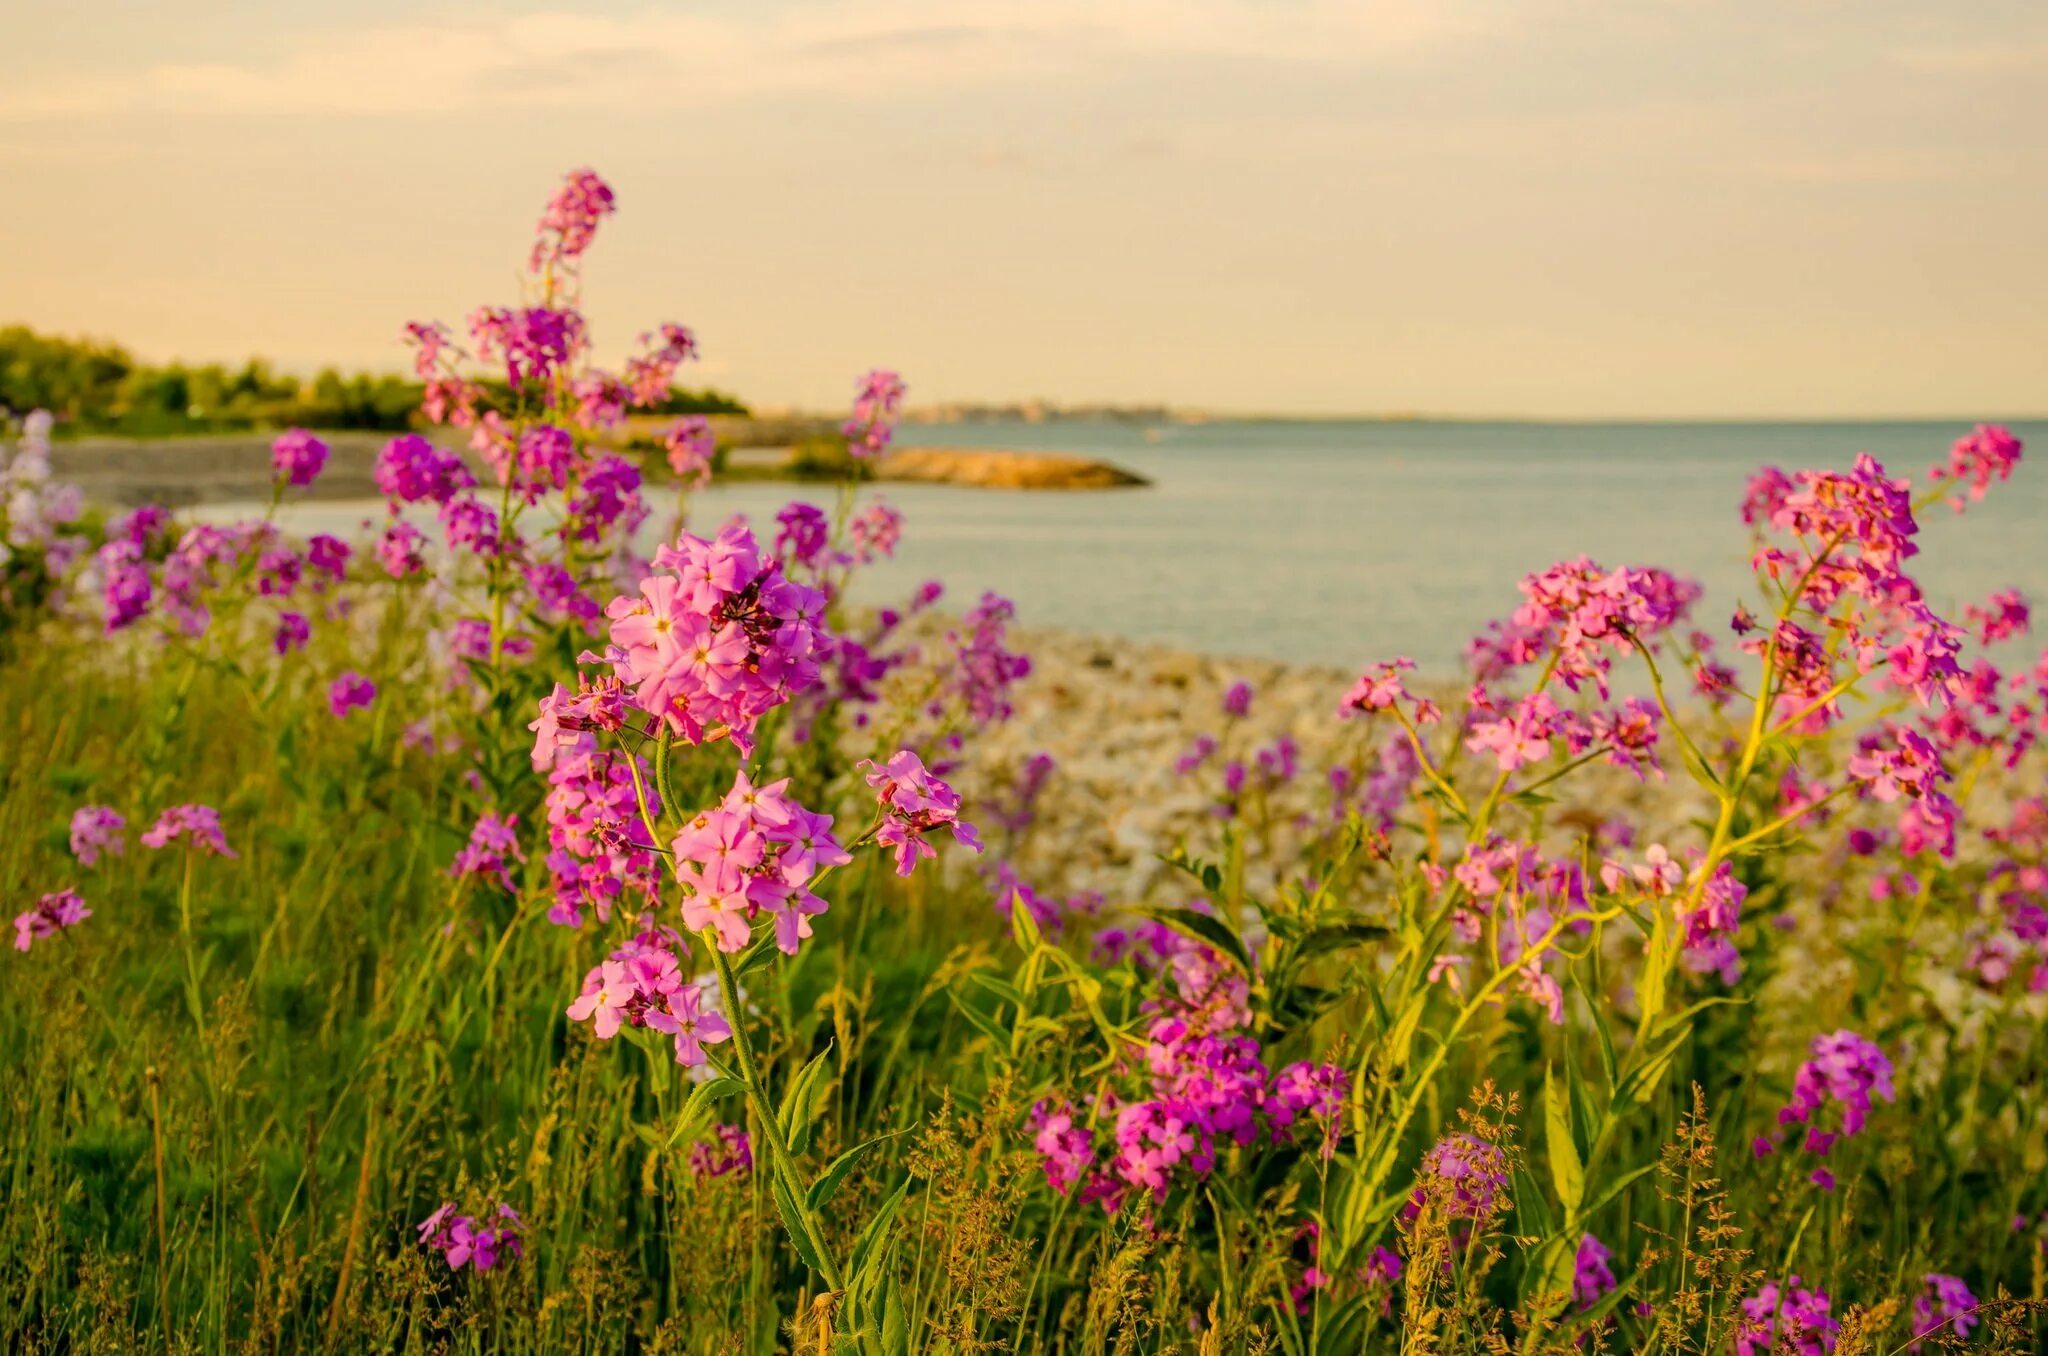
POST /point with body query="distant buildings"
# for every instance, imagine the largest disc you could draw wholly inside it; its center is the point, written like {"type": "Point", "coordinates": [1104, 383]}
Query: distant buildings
{"type": "Point", "coordinates": [1038, 412]}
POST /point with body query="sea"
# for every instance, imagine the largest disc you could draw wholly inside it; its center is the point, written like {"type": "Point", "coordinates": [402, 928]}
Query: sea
{"type": "Point", "coordinates": [1343, 542]}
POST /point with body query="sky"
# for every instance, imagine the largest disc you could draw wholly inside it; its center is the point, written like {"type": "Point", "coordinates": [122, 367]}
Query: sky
{"type": "Point", "coordinates": [1550, 208]}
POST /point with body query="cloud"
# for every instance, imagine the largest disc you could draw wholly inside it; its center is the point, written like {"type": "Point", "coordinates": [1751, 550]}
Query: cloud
{"type": "Point", "coordinates": [655, 60]}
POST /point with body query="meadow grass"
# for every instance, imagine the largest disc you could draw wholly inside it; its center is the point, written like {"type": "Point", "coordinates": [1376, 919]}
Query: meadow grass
{"type": "Point", "coordinates": [650, 1016]}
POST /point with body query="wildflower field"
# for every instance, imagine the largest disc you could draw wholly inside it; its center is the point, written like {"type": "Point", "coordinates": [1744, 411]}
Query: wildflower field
{"type": "Point", "coordinates": [554, 923]}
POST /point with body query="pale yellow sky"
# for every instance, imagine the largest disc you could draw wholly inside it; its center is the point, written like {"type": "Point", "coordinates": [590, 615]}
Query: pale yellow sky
{"type": "Point", "coordinates": [1544, 207]}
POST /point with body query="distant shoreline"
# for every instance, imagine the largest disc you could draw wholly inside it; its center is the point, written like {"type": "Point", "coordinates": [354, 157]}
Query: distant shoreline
{"type": "Point", "coordinates": [225, 468]}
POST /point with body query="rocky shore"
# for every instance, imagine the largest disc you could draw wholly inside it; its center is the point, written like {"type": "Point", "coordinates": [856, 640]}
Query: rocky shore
{"type": "Point", "coordinates": [1116, 715]}
{"type": "Point", "coordinates": [999, 470]}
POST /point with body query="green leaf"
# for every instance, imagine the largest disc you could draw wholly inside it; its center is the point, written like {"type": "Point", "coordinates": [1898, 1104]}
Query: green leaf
{"type": "Point", "coordinates": [1208, 873]}
{"type": "Point", "coordinates": [698, 1108]}
{"type": "Point", "coordinates": [1642, 1084]}
{"type": "Point", "coordinates": [1549, 1277]}
{"type": "Point", "coordinates": [1203, 927]}
{"type": "Point", "coordinates": [1024, 927]}
{"type": "Point", "coordinates": [755, 956]}
{"type": "Point", "coordinates": [1676, 1019]}
{"type": "Point", "coordinates": [1656, 965]}
{"type": "Point", "coordinates": [1337, 936]}
{"type": "Point", "coordinates": [877, 1228]}
{"type": "Point", "coordinates": [1001, 988]}
{"type": "Point", "coordinates": [829, 1181]}
{"type": "Point", "coordinates": [1613, 1192]}
{"type": "Point", "coordinates": [1567, 1168]}
{"type": "Point", "coordinates": [798, 1109]}
{"type": "Point", "coordinates": [1034, 1029]}
{"type": "Point", "coordinates": [1529, 1203]}
{"type": "Point", "coordinates": [895, 1325]}
{"type": "Point", "coordinates": [1607, 1060]}
{"type": "Point", "coordinates": [979, 1020]}
{"type": "Point", "coordinates": [791, 1224]}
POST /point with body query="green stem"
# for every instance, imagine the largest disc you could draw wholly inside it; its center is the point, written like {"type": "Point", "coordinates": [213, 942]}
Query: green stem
{"type": "Point", "coordinates": [670, 806]}
{"type": "Point", "coordinates": [193, 999]}
{"type": "Point", "coordinates": [783, 1161]}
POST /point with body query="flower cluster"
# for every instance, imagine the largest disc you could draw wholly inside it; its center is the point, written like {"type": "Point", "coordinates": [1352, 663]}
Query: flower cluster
{"type": "Point", "coordinates": [2003, 616]}
{"type": "Point", "coordinates": [875, 404]}
{"type": "Point", "coordinates": [734, 1153]}
{"type": "Point", "coordinates": [649, 374]}
{"type": "Point", "coordinates": [1592, 1271]}
{"type": "Point", "coordinates": [412, 470]}
{"type": "Point", "coordinates": [873, 533]}
{"type": "Point", "coordinates": [756, 854]}
{"type": "Point", "coordinates": [1707, 908]}
{"type": "Point", "coordinates": [643, 985]}
{"type": "Point", "coordinates": [717, 638]}
{"type": "Point", "coordinates": [491, 851]}
{"type": "Point", "coordinates": [983, 671]}
{"type": "Point", "coordinates": [1381, 688]}
{"type": "Point", "coordinates": [1988, 452]}
{"type": "Point", "coordinates": [1464, 1176]}
{"type": "Point", "coordinates": [915, 803]}
{"type": "Point", "coordinates": [690, 446]}
{"type": "Point", "coordinates": [571, 220]}
{"type": "Point", "coordinates": [1846, 1071]}
{"type": "Point", "coordinates": [1910, 770]}
{"type": "Point", "coordinates": [464, 1242]}
{"type": "Point", "coordinates": [297, 457]}
{"type": "Point", "coordinates": [597, 855]}
{"type": "Point", "coordinates": [199, 825]}
{"type": "Point", "coordinates": [1197, 1085]}
{"type": "Point", "coordinates": [96, 829]}
{"type": "Point", "coordinates": [350, 692]}
{"type": "Point", "coordinates": [1528, 898]}
{"type": "Point", "coordinates": [1786, 1318]}
{"type": "Point", "coordinates": [52, 914]}
{"type": "Point", "coordinates": [1945, 1303]}
{"type": "Point", "coordinates": [35, 549]}
{"type": "Point", "coordinates": [1583, 615]}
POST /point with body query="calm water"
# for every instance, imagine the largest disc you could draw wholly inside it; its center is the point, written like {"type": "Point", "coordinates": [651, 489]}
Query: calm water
{"type": "Point", "coordinates": [1347, 541]}
{"type": "Point", "coordinates": [1343, 542]}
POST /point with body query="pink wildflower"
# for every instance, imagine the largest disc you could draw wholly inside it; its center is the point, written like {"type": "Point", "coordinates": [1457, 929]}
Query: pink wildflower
{"type": "Point", "coordinates": [350, 692]}
{"type": "Point", "coordinates": [492, 848]}
{"type": "Point", "coordinates": [51, 915]}
{"type": "Point", "coordinates": [1988, 452]}
{"type": "Point", "coordinates": [571, 220]}
{"type": "Point", "coordinates": [875, 404]}
{"type": "Point", "coordinates": [913, 804]}
{"type": "Point", "coordinates": [96, 829]}
{"type": "Point", "coordinates": [297, 457]}
{"type": "Point", "coordinates": [198, 823]}
{"type": "Point", "coordinates": [690, 447]}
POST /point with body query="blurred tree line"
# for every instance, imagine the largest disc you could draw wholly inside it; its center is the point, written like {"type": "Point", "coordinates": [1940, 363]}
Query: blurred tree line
{"type": "Point", "coordinates": [97, 387]}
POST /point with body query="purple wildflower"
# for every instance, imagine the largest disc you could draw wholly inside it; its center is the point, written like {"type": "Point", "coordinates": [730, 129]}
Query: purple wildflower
{"type": "Point", "coordinates": [96, 829]}
{"type": "Point", "coordinates": [51, 915]}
